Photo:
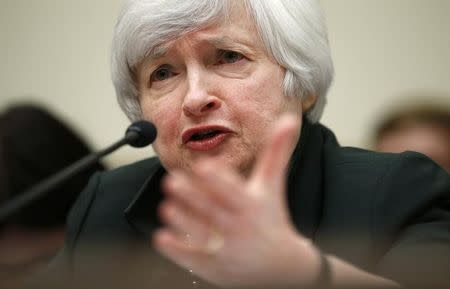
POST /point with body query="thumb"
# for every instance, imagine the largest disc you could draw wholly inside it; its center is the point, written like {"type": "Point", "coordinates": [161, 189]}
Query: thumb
{"type": "Point", "coordinates": [270, 168]}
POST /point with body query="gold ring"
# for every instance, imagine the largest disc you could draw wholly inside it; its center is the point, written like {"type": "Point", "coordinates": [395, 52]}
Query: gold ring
{"type": "Point", "coordinates": [215, 242]}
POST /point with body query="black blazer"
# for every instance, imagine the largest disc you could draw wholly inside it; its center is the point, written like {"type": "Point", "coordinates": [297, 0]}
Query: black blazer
{"type": "Point", "coordinates": [388, 214]}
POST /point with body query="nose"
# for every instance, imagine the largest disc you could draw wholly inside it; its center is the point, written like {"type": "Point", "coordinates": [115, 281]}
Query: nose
{"type": "Point", "coordinates": [200, 98]}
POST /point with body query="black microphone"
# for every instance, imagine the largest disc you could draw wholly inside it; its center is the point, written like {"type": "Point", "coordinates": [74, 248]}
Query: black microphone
{"type": "Point", "coordinates": [138, 134]}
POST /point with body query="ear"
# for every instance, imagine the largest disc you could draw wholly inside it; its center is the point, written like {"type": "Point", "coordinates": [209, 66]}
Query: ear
{"type": "Point", "coordinates": [308, 102]}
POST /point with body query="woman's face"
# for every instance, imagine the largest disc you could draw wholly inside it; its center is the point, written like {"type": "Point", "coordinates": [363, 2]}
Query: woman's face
{"type": "Point", "coordinates": [213, 94]}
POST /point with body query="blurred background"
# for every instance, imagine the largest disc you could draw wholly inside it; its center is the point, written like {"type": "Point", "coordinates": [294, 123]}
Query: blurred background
{"type": "Point", "coordinates": [56, 53]}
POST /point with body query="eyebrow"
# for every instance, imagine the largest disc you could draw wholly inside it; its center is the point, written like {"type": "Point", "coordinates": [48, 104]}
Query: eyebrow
{"type": "Point", "coordinates": [227, 42]}
{"type": "Point", "coordinates": [219, 41]}
{"type": "Point", "coordinates": [157, 52]}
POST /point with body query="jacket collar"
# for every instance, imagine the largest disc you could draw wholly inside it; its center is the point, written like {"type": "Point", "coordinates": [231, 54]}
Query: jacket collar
{"type": "Point", "coordinates": [305, 179]}
{"type": "Point", "coordinates": [305, 186]}
{"type": "Point", "coordinates": [142, 212]}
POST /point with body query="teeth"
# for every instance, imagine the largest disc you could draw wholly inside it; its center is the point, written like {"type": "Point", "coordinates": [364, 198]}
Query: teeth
{"type": "Point", "coordinates": [203, 135]}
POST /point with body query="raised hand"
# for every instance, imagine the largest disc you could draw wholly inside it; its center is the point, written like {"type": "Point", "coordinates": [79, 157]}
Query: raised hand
{"type": "Point", "coordinates": [236, 231]}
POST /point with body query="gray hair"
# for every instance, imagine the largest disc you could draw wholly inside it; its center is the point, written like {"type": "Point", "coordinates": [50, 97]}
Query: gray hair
{"type": "Point", "coordinates": [293, 32]}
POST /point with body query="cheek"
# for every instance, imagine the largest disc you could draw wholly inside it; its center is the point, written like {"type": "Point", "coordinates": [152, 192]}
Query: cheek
{"type": "Point", "coordinates": [260, 98]}
{"type": "Point", "coordinates": [270, 97]}
{"type": "Point", "coordinates": [165, 117]}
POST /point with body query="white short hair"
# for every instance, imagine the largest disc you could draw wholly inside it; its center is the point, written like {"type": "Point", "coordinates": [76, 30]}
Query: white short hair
{"type": "Point", "coordinates": [293, 32]}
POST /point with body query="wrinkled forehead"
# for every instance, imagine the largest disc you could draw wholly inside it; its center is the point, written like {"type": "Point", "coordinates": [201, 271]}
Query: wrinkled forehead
{"type": "Point", "coordinates": [150, 26]}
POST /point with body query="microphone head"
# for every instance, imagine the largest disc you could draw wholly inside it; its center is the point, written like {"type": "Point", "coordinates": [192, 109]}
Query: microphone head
{"type": "Point", "coordinates": [140, 134]}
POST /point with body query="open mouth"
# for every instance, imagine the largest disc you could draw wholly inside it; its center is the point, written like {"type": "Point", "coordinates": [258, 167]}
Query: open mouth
{"type": "Point", "coordinates": [204, 135]}
{"type": "Point", "coordinates": [205, 138]}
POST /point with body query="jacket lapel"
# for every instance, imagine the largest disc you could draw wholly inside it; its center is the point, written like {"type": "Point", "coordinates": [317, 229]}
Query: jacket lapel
{"type": "Point", "coordinates": [142, 212]}
{"type": "Point", "coordinates": [305, 179]}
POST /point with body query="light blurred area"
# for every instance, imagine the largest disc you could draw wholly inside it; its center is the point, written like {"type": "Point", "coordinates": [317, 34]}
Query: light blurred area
{"type": "Point", "coordinates": [56, 53]}
{"type": "Point", "coordinates": [384, 52]}
{"type": "Point", "coordinates": [421, 126]}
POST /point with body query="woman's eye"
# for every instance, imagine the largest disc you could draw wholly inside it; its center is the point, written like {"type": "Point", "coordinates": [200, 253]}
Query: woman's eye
{"type": "Point", "coordinates": [228, 56]}
{"type": "Point", "coordinates": [160, 74]}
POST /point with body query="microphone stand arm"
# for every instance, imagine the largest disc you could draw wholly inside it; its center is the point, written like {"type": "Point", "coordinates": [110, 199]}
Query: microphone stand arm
{"type": "Point", "coordinates": [39, 190]}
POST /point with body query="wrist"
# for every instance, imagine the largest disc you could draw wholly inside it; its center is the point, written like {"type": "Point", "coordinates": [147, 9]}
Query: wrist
{"type": "Point", "coordinates": [313, 272]}
{"type": "Point", "coordinates": [323, 280]}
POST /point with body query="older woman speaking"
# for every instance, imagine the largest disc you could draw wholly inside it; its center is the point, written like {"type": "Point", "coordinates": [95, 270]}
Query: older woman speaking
{"type": "Point", "coordinates": [247, 189]}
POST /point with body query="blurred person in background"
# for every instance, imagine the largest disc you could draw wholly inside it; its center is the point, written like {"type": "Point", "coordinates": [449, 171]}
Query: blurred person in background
{"type": "Point", "coordinates": [34, 145]}
{"type": "Point", "coordinates": [420, 128]}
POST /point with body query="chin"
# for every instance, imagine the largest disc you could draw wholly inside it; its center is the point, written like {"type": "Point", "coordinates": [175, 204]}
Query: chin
{"type": "Point", "coordinates": [240, 164]}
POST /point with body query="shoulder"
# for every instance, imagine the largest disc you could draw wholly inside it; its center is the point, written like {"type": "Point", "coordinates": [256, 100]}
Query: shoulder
{"type": "Point", "coordinates": [391, 190]}
{"type": "Point", "coordinates": [386, 191]}
{"type": "Point", "coordinates": [380, 167]}
{"type": "Point", "coordinates": [132, 172]}
{"type": "Point", "coordinates": [106, 196]}
{"type": "Point", "coordinates": [122, 182]}
{"type": "Point", "coordinates": [129, 177]}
